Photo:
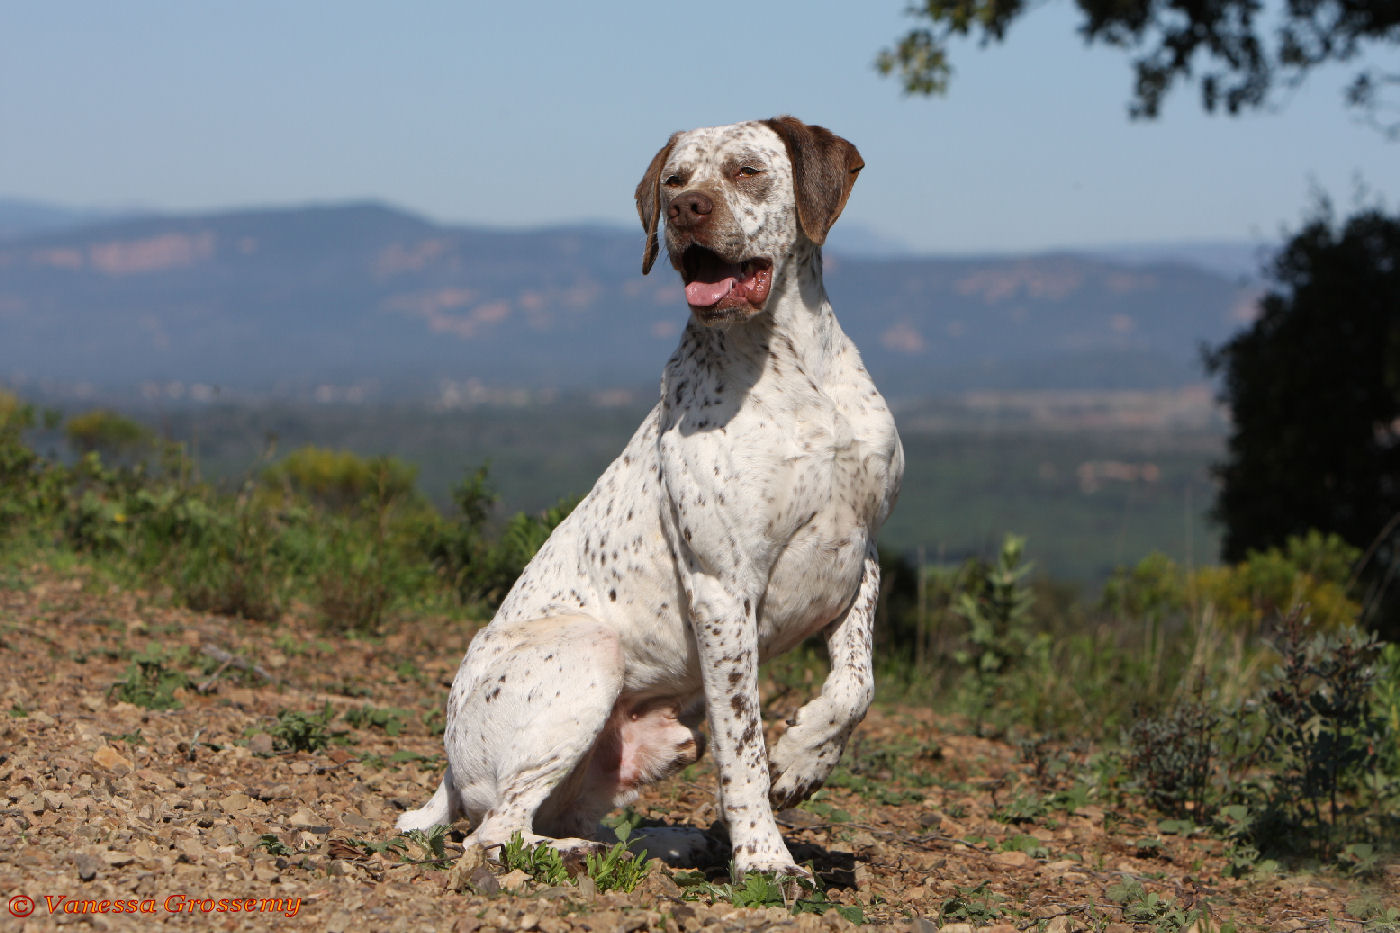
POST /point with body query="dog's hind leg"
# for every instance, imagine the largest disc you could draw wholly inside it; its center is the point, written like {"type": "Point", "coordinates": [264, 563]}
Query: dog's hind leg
{"type": "Point", "coordinates": [525, 715]}
{"type": "Point", "coordinates": [441, 810]}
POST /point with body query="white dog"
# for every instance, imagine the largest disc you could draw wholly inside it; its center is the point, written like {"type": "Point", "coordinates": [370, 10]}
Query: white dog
{"type": "Point", "coordinates": [739, 520]}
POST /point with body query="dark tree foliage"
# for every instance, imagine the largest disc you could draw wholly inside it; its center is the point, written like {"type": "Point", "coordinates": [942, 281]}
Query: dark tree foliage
{"type": "Point", "coordinates": [1237, 56]}
{"type": "Point", "coordinates": [1314, 389]}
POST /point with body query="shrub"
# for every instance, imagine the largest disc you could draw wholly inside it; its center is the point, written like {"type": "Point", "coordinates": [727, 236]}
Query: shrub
{"type": "Point", "coordinates": [1313, 570]}
{"type": "Point", "coordinates": [339, 481]}
{"type": "Point", "coordinates": [477, 568]}
{"type": "Point", "coordinates": [1172, 757]}
{"type": "Point", "coordinates": [1322, 738]}
{"type": "Point", "coordinates": [234, 569]}
{"type": "Point", "coordinates": [1299, 769]}
{"type": "Point", "coordinates": [106, 432]}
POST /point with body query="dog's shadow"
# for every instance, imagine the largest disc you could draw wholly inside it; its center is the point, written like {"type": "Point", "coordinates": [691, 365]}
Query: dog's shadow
{"type": "Point", "coordinates": [708, 851]}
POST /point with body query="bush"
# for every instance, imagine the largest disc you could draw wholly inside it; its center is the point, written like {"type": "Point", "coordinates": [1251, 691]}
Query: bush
{"type": "Point", "coordinates": [1172, 757]}
{"type": "Point", "coordinates": [1313, 570]}
{"type": "Point", "coordinates": [230, 564]}
{"type": "Point", "coordinates": [340, 481]}
{"type": "Point", "coordinates": [1300, 769]}
{"type": "Point", "coordinates": [477, 568]}
{"type": "Point", "coordinates": [108, 433]}
{"type": "Point", "coordinates": [1322, 738]}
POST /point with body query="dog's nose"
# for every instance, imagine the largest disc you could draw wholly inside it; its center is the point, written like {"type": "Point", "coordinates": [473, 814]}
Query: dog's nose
{"type": "Point", "coordinates": [689, 209]}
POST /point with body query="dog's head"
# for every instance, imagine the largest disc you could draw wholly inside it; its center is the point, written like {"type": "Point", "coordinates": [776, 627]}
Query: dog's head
{"type": "Point", "coordinates": [737, 200]}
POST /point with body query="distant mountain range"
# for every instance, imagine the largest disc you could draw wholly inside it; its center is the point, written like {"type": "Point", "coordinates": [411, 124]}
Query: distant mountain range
{"type": "Point", "coordinates": [366, 301]}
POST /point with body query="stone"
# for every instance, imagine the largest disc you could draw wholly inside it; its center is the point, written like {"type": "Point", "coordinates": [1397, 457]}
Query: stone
{"type": "Point", "coordinates": [109, 758]}
{"type": "Point", "coordinates": [88, 866]}
{"type": "Point", "coordinates": [513, 879]}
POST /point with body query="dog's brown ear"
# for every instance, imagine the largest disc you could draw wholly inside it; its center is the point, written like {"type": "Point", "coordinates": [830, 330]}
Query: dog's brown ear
{"type": "Point", "coordinates": [824, 168]}
{"type": "Point", "coordinates": [649, 203]}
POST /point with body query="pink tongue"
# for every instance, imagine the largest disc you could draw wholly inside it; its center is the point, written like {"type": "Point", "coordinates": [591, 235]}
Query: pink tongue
{"type": "Point", "coordinates": [706, 294]}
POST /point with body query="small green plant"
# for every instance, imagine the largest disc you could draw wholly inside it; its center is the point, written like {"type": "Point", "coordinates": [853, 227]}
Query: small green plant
{"type": "Point", "coordinates": [1387, 706]}
{"type": "Point", "coordinates": [427, 847]}
{"type": "Point", "coordinates": [541, 861]}
{"type": "Point", "coordinates": [1147, 907]}
{"type": "Point", "coordinates": [391, 721]}
{"type": "Point", "coordinates": [396, 846]}
{"type": "Point", "coordinates": [1027, 844]}
{"type": "Point", "coordinates": [148, 682]}
{"type": "Point", "coordinates": [996, 605]}
{"type": "Point", "coordinates": [229, 557]}
{"type": "Point", "coordinates": [1148, 847]}
{"type": "Point", "coordinates": [974, 905]}
{"type": "Point", "coordinates": [355, 586]}
{"type": "Point", "coordinates": [1360, 859]}
{"type": "Point", "coordinates": [617, 869]}
{"type": "Point", "coordinates": [827, 811]}
{"type": "Point", "coordinates": [765, 889]}
{"type": "Point", "coordinates": [1379, 917]}
{"type": "Point", "coordinates": [295, 731]}
{"type": "Point", "coordinates": [270, 843]}
{"type": "Point", "coordinates": [434, 720]}
{"type": "Point", "coordinates": [624, 823]}
{"type": "Point", "coordinates": [1025, 807]}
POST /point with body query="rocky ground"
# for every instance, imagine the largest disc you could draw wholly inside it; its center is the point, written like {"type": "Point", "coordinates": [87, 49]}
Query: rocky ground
{"type": "Point", "coordinates": [180, 815]}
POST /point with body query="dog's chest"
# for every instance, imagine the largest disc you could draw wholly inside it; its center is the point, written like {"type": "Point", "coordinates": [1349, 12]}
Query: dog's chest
{"type": "Point", "coordinates": [791, 480]}
{"type": "Point", "coordinates": [830, 496]}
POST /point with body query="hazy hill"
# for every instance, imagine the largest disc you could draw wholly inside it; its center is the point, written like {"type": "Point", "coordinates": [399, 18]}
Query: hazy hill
{"type": "Point", "coordinates": [363, 294]}
{"type": "Point", "coordinates": [24, 216]}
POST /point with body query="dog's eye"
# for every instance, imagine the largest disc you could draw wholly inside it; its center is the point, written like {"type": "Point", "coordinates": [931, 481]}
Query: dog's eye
{"type": "Point", "coordinates": [748, 171]}
{"type": "Point", "coordinates": [673, 181]}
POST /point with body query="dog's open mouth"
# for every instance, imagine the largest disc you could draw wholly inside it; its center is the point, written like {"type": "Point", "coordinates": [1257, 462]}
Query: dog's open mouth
{"type": "Point", "coordinates": [715, 283]}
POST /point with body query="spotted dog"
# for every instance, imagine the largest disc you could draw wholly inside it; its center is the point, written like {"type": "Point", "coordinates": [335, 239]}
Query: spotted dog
{"type": "Point", "coordinates": [739, 520]}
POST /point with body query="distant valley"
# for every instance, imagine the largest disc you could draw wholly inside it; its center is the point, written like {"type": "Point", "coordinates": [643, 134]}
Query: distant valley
{"type": "Point", "coordinates": [365, 303]}
{"type": "Point", "coordinates": [1058, 396]}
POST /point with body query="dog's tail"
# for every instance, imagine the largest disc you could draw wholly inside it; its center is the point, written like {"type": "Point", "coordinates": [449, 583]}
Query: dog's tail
{"type": "Point", "coordinates": [441, 810]}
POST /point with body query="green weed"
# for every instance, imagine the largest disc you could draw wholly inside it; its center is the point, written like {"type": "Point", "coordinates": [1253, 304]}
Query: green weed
{"type": "Point", "coordinates": [149, 683]}
{"type": "Point", "coordinates": [427, 847]}
{"type": "Point", "coordinates": [765, 889]}
{"type": "Point", "coordinates": [270, 843]}
{"type": "Point", "coordinates": [541, 861]}
{"type": "Point", "coordinates": [1141, 906]}
{"type": "Point", "coordinates": [975, 905]}
{"type": "Point", "coordinates": [617, 869]}
{"type": "Point", "coordinates": [390, 721]}
{"type": "Point", "coordinates": [295, 731]}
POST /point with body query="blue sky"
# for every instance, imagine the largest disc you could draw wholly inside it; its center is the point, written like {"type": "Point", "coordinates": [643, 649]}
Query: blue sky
{"type": "Point", "coordinates": [534, 113]}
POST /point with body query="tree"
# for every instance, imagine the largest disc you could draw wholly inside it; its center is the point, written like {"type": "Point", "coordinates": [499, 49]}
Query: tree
{"type": "Point", "coordinates": [1314, 389]}
{"type": "Point", "coordinates": [1222, 43]}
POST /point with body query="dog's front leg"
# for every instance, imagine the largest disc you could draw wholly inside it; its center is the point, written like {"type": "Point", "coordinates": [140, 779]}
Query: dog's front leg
{"type": "Point", "coordinates": [726, 638]}
{"type": "Point", "coordinates": [805, 755]}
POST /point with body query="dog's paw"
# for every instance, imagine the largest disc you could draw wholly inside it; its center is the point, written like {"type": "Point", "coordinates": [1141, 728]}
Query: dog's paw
{"type": "Point", "coordinates": [790, 789]}
{"type": "Point", "coordinates": [799, 764]}
{"type": "Point", "coordinates": [793, 878]}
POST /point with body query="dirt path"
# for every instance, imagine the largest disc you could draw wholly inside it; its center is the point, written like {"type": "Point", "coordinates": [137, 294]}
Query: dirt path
{"type": "Point", "coordinates": [109, 806]}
